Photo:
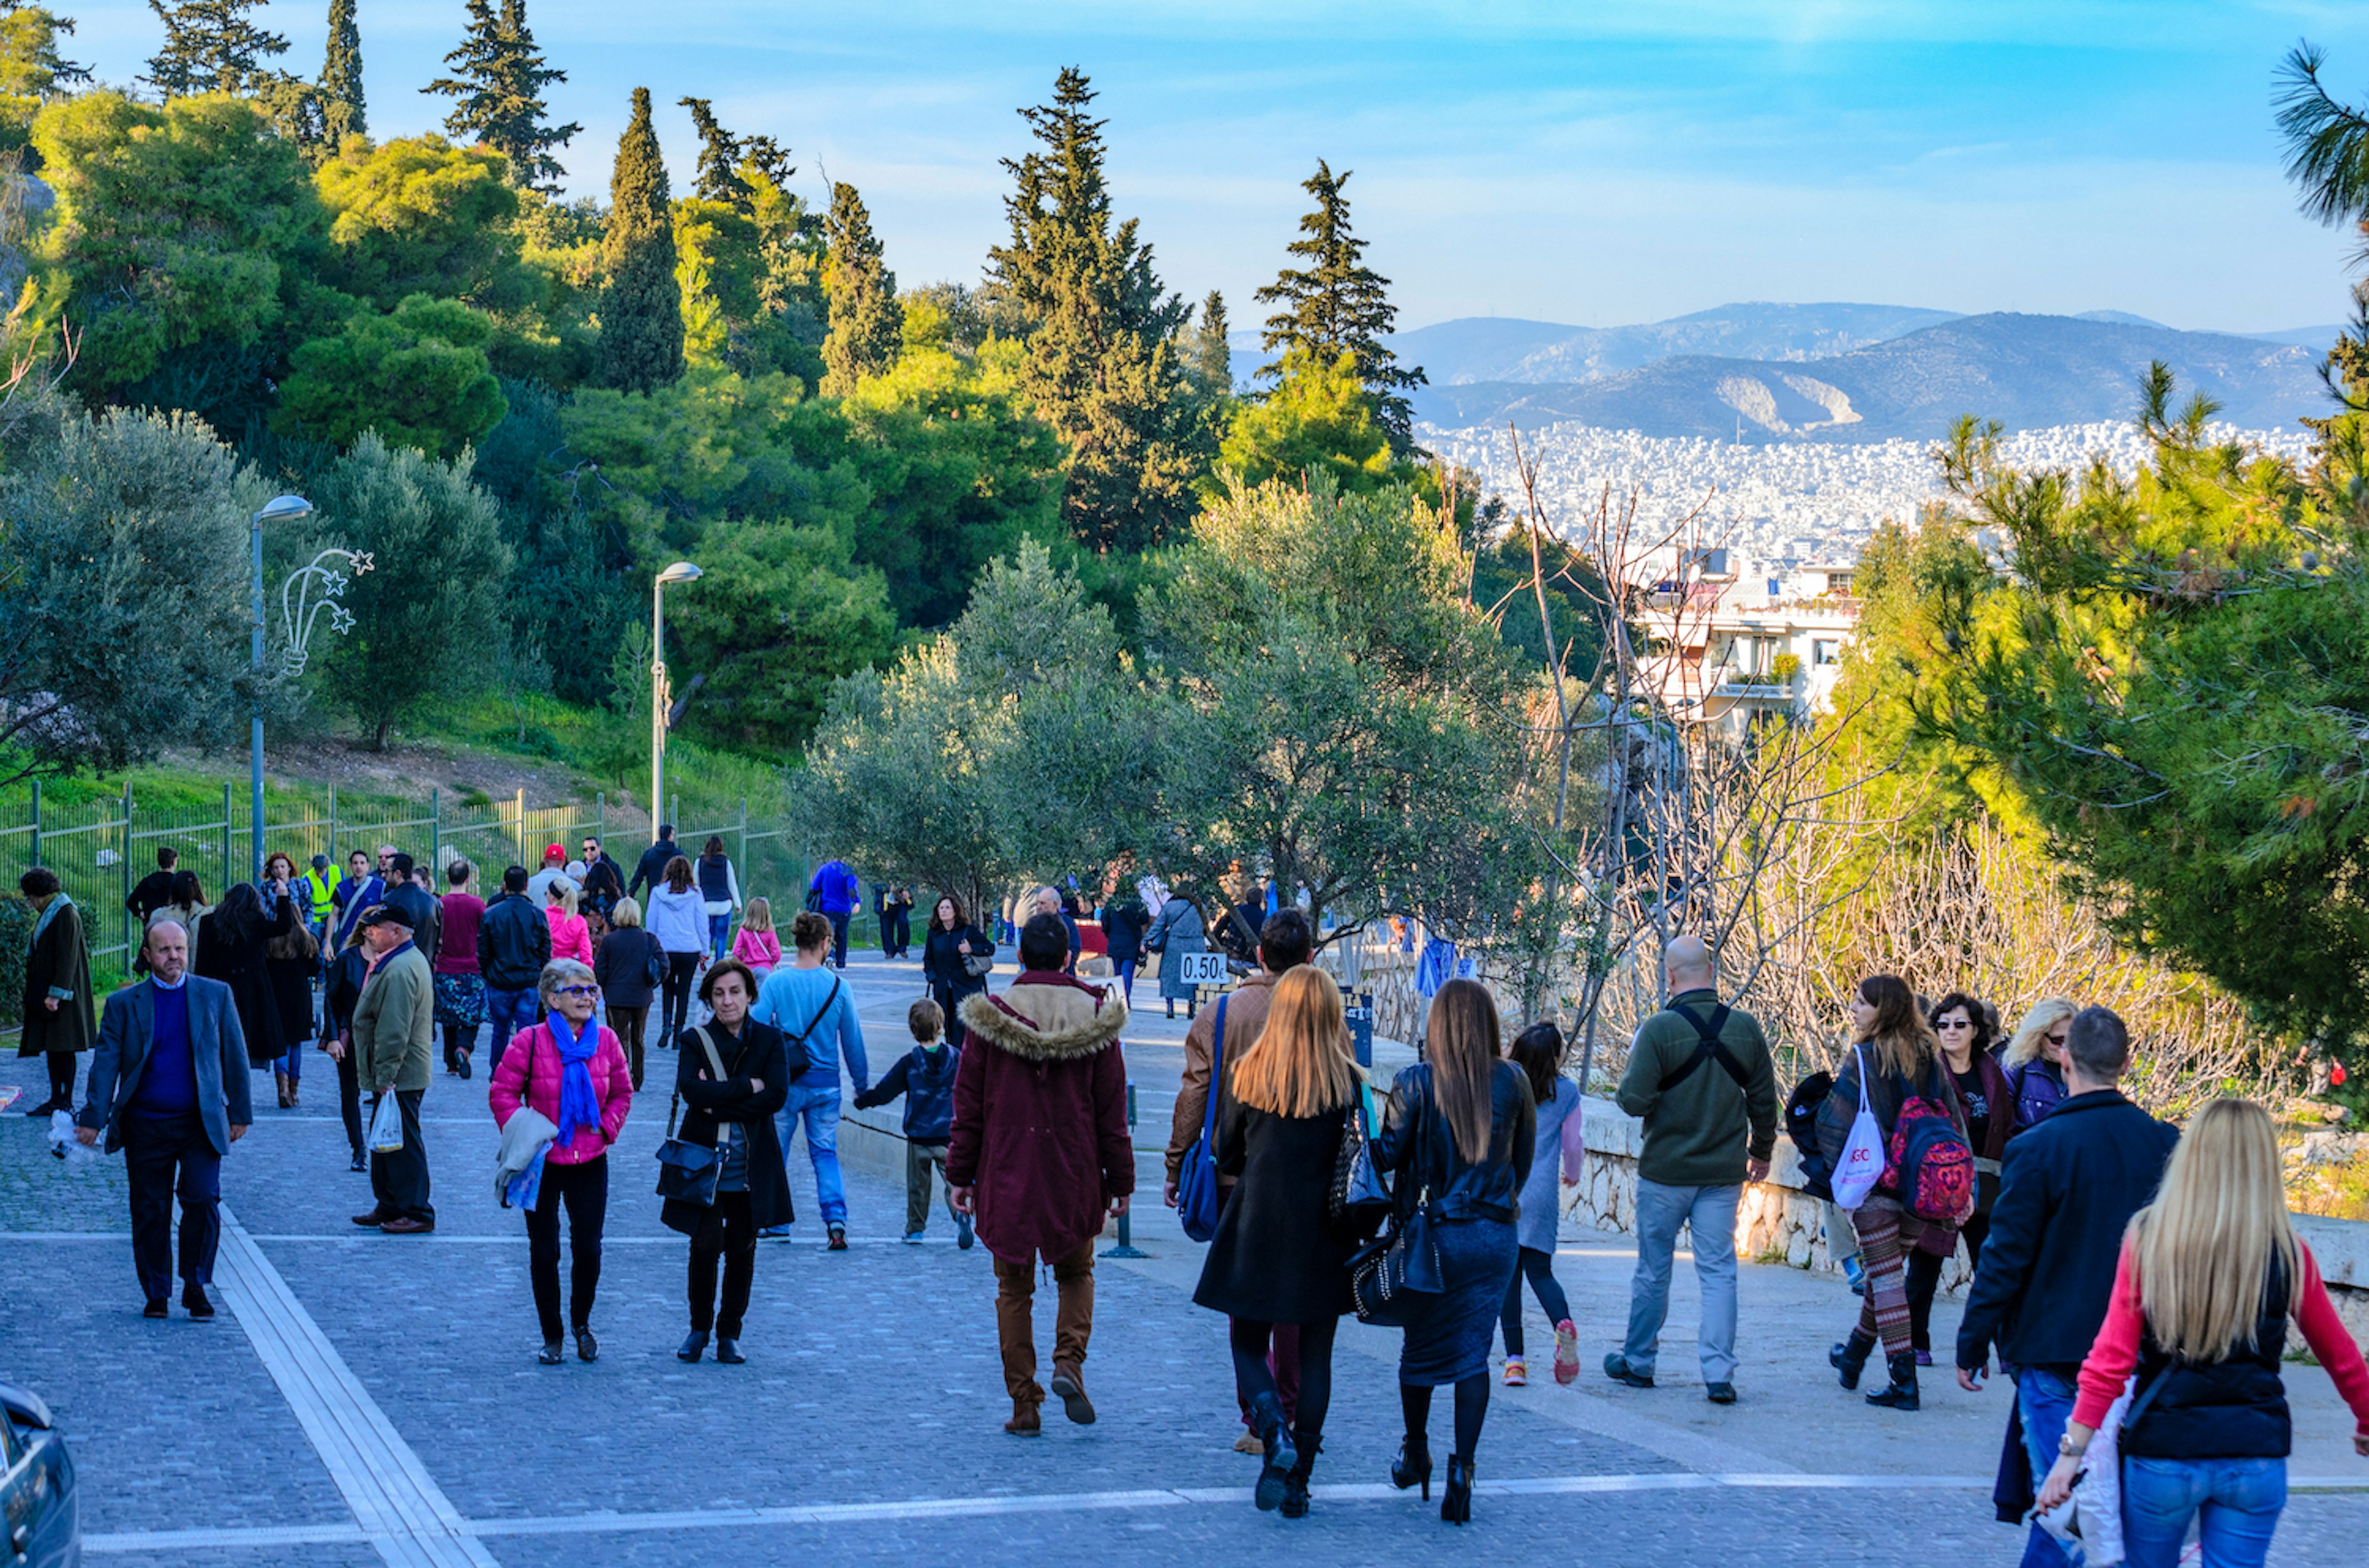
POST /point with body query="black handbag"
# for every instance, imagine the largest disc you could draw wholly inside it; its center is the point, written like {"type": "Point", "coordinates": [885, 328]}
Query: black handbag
{"type": "Point", "coordinates": [1393, 1279]}
{"type": "Point", "coordinates": [1359, 1199]}
{"type": "Point", "coordinates": [688, 1171]}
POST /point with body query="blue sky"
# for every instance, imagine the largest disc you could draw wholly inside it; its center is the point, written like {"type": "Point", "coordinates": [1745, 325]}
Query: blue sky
{"type": "Point", "coordinates": [1594, 161]}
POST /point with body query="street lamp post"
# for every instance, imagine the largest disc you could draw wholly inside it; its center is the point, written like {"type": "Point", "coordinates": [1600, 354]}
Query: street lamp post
{"type": "Point", "coordinates": [281, 509]}
{"type": "Point", "coordinates": [681, 571]}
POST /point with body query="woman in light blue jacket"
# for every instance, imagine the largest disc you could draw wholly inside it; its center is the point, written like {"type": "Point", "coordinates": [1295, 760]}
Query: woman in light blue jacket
{"type": "Point", "coordinates": [1537, 1051]}
{"type": "Point", "coordinates": [1176, 932]}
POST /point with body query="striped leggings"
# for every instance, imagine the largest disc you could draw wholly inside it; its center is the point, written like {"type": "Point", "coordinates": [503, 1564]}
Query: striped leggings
{"type": "Point", "coordinates": [1882, 1251]}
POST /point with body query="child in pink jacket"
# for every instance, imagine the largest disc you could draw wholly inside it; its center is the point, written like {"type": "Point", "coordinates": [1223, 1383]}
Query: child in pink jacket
{"type": "Point", "coordinates": [756, 946]}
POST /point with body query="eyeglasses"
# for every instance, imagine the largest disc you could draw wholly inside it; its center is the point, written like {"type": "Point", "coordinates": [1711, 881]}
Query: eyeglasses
{"type": "Point", "coordinates": [575, 990]}
{"type": "Point", "coordinates": [2055, 1040]}
{"type": "Point", "coordinates": [1955, 1024]}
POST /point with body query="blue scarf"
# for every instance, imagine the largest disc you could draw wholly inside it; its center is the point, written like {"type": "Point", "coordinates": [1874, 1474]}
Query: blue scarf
{"type": "Point", "coordinates": [579, 1105]}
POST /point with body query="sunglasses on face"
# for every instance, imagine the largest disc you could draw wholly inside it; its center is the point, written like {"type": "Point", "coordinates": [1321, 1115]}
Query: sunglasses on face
{"type": "Point", "coordinates": [575, 990]}
{"type": "Point", "coordinates": [1955, 1024]}
{"type": "Point", "coordinates": [2055, 1040]}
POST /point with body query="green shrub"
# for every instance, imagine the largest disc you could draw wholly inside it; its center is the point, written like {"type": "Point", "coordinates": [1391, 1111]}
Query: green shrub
{"type": "Point", "coordinates": [16, 941]}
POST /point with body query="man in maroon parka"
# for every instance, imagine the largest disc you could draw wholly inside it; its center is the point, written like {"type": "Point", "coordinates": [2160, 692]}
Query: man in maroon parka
{"type": "Point", "coordinates": [1041, 1153]}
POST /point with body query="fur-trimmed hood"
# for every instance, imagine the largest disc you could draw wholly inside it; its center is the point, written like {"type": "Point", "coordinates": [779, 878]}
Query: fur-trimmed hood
{"type": "Point", "coordinates": [1047, 1018]}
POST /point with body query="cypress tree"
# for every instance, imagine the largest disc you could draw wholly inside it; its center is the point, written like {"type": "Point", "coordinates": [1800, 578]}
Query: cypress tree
{"type": "Point", "coordinates": [498, 81]}
{"type": "Point", "coordinates": [641, 310]}
{"type": "Point", "coordinates": [1338, 305]}
{"type": "Point", "coordinates": [720, 152]}
{"type": "Point", "coordinates": [342, 113]}
{"type": "Point", "coordinates": [1213, 362]}
{"type": "Point", "coordinates": [209, 47]}
{"type": "Point", "coordinates": [1102, 365]}
{"type": "Point", "coordinates": [868, 325]}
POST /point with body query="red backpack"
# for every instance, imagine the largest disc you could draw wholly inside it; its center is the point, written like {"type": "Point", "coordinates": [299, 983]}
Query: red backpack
{"type": "Point", "coordinates": [1929, 1164]}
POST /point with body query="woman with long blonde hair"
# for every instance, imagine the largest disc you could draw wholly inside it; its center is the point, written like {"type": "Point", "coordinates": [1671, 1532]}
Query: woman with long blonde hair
{"type": "Point", "coordinates": [1462, 1131]}
{"type": "Point", "coordinates": [1895, 1057]}
{"type": "Point", "coordinates": [1274, 1259]}
{"type": "Point", "coordinates": [2035, 1060]}
{"type": "Point", "coordinates": [2212, 1273]}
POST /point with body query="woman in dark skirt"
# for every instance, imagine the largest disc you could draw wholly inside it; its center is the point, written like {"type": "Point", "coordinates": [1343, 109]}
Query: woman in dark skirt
{"type": "Point", "coordinates": [1276, 1259]}
{"type": "Point", "coordinates": [1462, 1129]}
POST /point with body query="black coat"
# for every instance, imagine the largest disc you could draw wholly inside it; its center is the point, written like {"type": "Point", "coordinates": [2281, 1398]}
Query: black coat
{"type": "Point", "coordinates": [513, 943]}
{"type": "Point", "coordinates": [241, 963]}
{"type": "Point", "coordinates": [2067, 1189]}
{"type": "Point", "coordinates": [650, 870]}
{"type": "Point", "coordinates": [291, 990]}
{"type": "Point", "coordinates": [345, 975]}
{"type": "Point", "coordinates": [761, 1054]}
{"type": "Point", "coordinates": [942, 965]}
{"type": "Point", "coordinates": [622, 967]}
{"type": "Point", "coordinates": [1124, 923]}
{"type": "Point", "coordinates": [1276, 1259]}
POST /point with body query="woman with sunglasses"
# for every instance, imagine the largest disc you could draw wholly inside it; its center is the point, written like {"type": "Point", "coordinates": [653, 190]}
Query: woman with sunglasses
{"type": "Point", "coordinates": [2035, 1062]}
{"type": "Point", "coordinates": [573, 1072]}
{"type": "Point", "coordinates": [1962, 1026]}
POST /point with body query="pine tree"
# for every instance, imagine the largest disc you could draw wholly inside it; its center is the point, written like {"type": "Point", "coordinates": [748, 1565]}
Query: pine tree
{"type": "Point", "coordinates": [30, 65]}
{"type": "Point", "coordinates": [720, 152]}
{"type": "Point", "coordinates": [1337, 305]}
{"type": "Point", "coordinates": [1213, 362]}
{"type": "Point", "coordinates": [209, 47]}
{"type": "Point", "coordinates": [342, 113]}
{"type": "Point", "coordinates": [641, 311]}
{"type": "Point", "coordinates": [1102, 364]}
{"type": "Point", "coordinates": [498, 83]}
{"type": "Point", "coordinates": [868, 325]}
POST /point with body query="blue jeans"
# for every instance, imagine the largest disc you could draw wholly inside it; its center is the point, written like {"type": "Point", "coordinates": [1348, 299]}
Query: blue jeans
{"type": "Point", "coordinates": [2235, 1504]}
{"type": "Point", "coordinates": [839, 945]}
{"type": "Point", "coordinates": [819, 1108]}
{"type": "Point", "coordinates": [1126, 980]}
{"type": "Point", "coordinates": [719, 931]}
{"type": "Point", "coordinates": [507, 1012]}
{"type": "Point", "coordinates": [1709, 1213]}
{"type": "Point", "coordinates": [2045, 1400]}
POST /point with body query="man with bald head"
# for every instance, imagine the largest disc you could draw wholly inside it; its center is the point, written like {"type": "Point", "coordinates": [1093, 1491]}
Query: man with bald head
{"type": "Point", "coordinates": [1700, 1080]}
{"type": "Point", "coordinates": [168, 1086]}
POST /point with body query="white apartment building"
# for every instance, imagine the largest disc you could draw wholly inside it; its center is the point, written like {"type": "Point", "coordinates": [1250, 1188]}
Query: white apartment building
{"type": "Point", "coordinates": [1734, 645]}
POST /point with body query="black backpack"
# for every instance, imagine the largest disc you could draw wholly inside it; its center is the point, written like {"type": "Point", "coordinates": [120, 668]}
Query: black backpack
{"type": "Point", "coordinates": [1802, 1126]}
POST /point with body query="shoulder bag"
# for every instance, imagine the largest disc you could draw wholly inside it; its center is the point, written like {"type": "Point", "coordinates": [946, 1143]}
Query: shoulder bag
{"type": "Point", "coordinates": [1393, 1279]}
{"type": "Point", "coordinates": [1360, 1195]}
{"type": "Point", "coordinates": [978, 965]}
{"type": "Point", "coordinates": [688, 1171]}
{"type": "Point", "coordinates": [654, 961]}
{"type": "Point", "coordinates": [1196, 1178]}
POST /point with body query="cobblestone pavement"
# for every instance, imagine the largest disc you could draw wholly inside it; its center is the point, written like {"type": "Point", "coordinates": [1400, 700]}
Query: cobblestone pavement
{"type": "Point", "coordinates": [368, 1399]}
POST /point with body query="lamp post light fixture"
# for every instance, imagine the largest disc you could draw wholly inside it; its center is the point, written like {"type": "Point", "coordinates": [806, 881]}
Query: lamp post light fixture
{"type": "Point", "coordinates": [281, 508]}
{"type": "Point", "coordinates": [681, 572]}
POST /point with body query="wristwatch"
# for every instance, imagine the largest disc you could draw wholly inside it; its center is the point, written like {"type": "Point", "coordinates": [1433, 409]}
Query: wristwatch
{"type": "Point", "coordinates": [2064, 1448]}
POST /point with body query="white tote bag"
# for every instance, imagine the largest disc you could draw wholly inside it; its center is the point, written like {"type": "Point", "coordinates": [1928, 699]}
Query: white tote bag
{"type": "Point", "coordinates": [1860, 1164]}
{"type": "Point", "coordinates": [386, 1124]}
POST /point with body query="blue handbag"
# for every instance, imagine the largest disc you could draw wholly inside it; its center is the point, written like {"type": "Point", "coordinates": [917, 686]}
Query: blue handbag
{"type": "Point", "coordinates": [1197, 1178]}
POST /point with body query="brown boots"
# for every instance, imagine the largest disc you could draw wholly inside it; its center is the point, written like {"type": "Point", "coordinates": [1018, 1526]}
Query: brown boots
{"type": "Point", "coordinates": [287, 1096]}
{"type": "Point", "coordinates": [1024, 1422]}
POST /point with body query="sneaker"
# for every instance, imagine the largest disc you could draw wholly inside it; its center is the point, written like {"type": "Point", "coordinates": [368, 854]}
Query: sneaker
{"type": "Point", "coordinates": [1719, 1393]}
{"type": "Point", "coordinates": [1518, 1373]}
{"type": "Point", "coordinates": [1616, 1366]}
{"type": "Point", "coordinates": [1566, 1361]}
{"type": "Point", "coordinates": [1853, 1271]}
{"type": "Point", "coordinates": [838, 1239]}
{"type": "Point", "coordinates": [360, 1162]}
{"type": "Point", "coordinates": [1924, 1359]}
{"type": "Point", "coordinates": [1248, 1443]}
{"type": "Point", "coordinates": [775, 1233]}
{"type": "Point", "coordinates": [962, 1231]}
{"type": "Point", "coordinates": [912, 1238]}
{"type": "Point", "coordinates": [154, 1308]}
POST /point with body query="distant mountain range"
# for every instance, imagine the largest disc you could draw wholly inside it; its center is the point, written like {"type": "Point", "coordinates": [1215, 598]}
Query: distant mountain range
{"type": "Point", "coordinates": [1846, 371]}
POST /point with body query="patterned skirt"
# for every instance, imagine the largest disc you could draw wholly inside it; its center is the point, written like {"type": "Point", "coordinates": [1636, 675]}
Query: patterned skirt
{"type": "Point", "coordinates": [460, 1001]}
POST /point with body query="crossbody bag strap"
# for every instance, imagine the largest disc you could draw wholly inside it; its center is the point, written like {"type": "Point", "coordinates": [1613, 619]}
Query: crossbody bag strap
{"type": "Point", "coordinates": [1217, 1075]}
{"type": "Point", "coordinates": [1709, 1047]}
{"type": "Point", "coordinates": [715, 1062]}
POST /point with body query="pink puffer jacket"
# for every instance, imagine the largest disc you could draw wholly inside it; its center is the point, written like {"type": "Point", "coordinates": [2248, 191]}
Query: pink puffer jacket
{"type": "Point", "coordinates": [528, 1074]}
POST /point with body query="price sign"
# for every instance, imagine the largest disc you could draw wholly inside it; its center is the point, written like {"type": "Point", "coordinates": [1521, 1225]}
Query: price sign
{"type": "Point", "coordinates": [1201, 968]}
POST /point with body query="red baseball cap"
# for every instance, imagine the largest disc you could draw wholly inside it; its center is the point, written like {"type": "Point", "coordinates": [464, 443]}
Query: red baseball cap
{"type": "Point", "coordinates": [554, 853]}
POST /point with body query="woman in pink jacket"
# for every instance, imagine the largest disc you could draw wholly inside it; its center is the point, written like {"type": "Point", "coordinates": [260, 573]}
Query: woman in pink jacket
{"type": "Point", "coordinates": [570, 937]}
{"type": "Point", "coordinates": [572, 1072]}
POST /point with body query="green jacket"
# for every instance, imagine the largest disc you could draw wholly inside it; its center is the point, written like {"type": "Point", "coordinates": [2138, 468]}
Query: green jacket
{"type": "Point", "coordinates": [1698, 1134]}
{"type": "Point", "coordinates": [395, 1023]}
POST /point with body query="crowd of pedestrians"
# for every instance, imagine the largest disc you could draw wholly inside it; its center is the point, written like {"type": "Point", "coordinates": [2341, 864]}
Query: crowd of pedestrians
{"type": "Point", "coordinates": [2137, 1285]}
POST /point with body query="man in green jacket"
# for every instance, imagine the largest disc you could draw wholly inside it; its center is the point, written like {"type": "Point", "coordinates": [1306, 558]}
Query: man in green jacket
{"type": "Point", "coordinates": [392, 1031]}
{"type": "Point", "coordinates": [1700, 1080]}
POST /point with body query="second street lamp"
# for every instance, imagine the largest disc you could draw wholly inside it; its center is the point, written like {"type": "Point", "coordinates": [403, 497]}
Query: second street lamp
{"type": "Point", "coordinates": [681, 571]}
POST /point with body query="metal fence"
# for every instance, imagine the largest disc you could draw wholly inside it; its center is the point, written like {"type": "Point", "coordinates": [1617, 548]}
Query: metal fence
{"type": "Point", "coordinates": [101, 849]}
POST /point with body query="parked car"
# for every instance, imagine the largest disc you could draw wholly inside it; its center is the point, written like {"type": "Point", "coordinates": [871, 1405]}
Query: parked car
{"type": "Point", "coordinates": [38, 1505]}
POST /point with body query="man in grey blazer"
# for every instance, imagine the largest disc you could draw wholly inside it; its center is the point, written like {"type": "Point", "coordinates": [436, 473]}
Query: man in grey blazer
{"type": "Point", "coordinates": [168, 1085]}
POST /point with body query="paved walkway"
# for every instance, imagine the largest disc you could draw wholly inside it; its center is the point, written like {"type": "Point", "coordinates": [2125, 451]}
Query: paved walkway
{"type": "Point", "coordinates": [365, 1399]}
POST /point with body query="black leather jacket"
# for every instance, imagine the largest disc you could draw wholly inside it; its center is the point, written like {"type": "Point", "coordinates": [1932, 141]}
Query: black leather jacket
{"type": "Point", "coordinates": [1415, 1143]}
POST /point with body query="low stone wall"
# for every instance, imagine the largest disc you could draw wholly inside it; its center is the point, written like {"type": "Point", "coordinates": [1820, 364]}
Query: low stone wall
{"type": "Point", "coordinates": [1777, 1222]}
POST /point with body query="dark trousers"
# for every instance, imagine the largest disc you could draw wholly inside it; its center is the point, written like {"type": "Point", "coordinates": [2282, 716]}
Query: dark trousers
{"type": "Point", "coordinates": [675, 995]}
{"type": "Point", "coordinates": [1538, 1269]}
{"type": "Point", "coordinates": [839, 937]}
{"type": "Point", "coordinates": [1925, 1280]}
{"type": "Point", "coordinates": [62, 1078]}
{"type": "Point", "coordinates": [895, 931]}
{"type": "Point", "coordinates": [166, 1156]}
{"type": "Point", "coordinates": [399, 1181]}
{"type": "Point", "coordinates": [728, 1234]}
{"type": "Point", "coordinates": [1255, 1368]}
{"type": "Point", "coordinates": [585, 1190]}
{"type": "Point", "coordinates": [350, 1100]}
{"type": "Point", "coordinates": [631, 1023]}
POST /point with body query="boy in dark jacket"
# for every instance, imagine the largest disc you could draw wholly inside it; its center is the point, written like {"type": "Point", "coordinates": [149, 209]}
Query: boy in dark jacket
{"type": "Point", "coordinates": [925, 1076]}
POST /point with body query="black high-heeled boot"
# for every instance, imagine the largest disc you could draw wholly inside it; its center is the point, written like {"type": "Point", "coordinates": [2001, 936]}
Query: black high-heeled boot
{"type": "Point", "coordinates": [1850, 1357]}
{"type": "Point", "coordinates": [1266, 1416]}
{"type": "Point", "coordinates": [1412, 1466]}
{"type": "Point", "coordinates": [1455, 1502]}
{"type": "Point", "coordinates": [1295, 1485]}
{"type": "Point", "coordinates": [1902, 1394]}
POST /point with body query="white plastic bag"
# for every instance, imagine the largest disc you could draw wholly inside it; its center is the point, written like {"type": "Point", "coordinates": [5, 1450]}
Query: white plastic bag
{"type": "Point", "coordinates": [386, 1125]}
{"type": "Point", "coordinates": [62, 1142]}
{"type": "Point", "coordinates": [1860, 1164]}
